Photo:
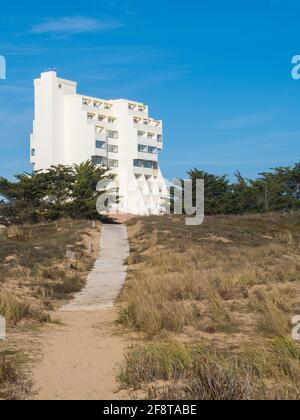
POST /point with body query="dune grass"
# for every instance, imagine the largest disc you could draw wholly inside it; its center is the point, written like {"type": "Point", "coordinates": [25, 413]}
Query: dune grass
{"type": "Point", "coordinates": [229, 285]}
{"type": "Point", "coordinates": [36, 277]}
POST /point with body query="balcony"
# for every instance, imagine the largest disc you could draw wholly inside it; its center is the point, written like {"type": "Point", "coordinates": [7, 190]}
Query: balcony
{"type": "Point", "coordinates": [99, 160]}
{"type": "Point", "coordinates": [152, 129]}
{"type": "Point", "coordinates": [147, 164]}
{"type": "Point", "coordinates": [96, 104]}
{"type": "Point", "coordinates": [138, 110]}
{"type": "Point", "coordinates": [144, 148]}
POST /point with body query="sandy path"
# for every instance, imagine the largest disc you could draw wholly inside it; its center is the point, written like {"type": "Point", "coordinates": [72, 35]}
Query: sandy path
{"type": "Point", "coordinates": [80, 357]}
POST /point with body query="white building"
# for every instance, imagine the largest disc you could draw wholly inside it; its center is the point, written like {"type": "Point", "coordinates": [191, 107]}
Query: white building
{"type": "Point", "coordinates": [71, 128]}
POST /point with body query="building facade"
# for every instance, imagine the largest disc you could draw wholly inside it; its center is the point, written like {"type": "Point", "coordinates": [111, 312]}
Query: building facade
{"type": "Point", "coordinates": [70, 128]}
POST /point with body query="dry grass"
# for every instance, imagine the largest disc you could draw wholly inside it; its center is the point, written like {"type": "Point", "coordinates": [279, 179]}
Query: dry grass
{"type": "Point", "coordinates": [13, 384]}
{"type": "Point", "coordinates": [227, 283]}
{"type": "Point", "coordinates": [36, 277]}
{"type": "Point", "coordinates": [172, 370]}
{"type": "Point", "coordinates": [15, 310]}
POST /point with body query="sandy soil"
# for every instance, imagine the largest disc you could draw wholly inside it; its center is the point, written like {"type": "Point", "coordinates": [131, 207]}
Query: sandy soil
{"type": "Point", "coordinates": [80, 357]}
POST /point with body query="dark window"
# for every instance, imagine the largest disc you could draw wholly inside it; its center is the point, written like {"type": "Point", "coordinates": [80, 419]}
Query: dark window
{"type": "Point", "coordinates": [99, 160]}
{"type": "Point", "coordinates": [100, 144]}
{"type": "Point", "coordinates": [142, 148]}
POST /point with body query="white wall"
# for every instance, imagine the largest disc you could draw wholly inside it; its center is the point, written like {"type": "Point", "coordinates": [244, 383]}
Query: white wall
{"type": "Point", "coordinates": [62, 134]}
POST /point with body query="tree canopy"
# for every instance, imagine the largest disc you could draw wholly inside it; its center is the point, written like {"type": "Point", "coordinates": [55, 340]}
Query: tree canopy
{"type": "Point", "coordinates": [57, 192]}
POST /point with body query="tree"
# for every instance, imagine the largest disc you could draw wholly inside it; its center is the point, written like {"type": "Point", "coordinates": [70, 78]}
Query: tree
{"type": "Point", "coordinates": [84, 192]}
{"type": "Point", "coordinates": [56, 184]}
{"type": "Point", "coordinates": [57, 192]}
{"type": "Point", "coordinates": [216, 191]}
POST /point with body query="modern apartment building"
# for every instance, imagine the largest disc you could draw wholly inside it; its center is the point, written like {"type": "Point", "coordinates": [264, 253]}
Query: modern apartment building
{"type": "Point", "coordinates": [71, 128]}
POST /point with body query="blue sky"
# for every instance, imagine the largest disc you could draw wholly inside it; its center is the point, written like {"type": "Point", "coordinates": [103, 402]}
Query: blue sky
{"type": "Point", "coordinates": [217, 72]}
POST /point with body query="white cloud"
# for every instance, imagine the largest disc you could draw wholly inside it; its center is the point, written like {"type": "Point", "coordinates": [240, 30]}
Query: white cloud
{"type": "Point", "coordinates": [75, 25]}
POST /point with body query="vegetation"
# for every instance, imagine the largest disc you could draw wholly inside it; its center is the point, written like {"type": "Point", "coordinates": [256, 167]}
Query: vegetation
{"type": "Point", "coordinates": [13, 384]}
{"type": "Point", "coordinates": [212, 307]}
{"type": "Point", "coordinates": [36, 276]}
{"type": "Point", "coordinates": [276, 190]}
{"type": "Point", "coordinates": [61, 191]}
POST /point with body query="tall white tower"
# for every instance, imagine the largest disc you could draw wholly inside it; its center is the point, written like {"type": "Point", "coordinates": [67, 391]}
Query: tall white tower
{"type": "Point", "coordinates": [70, 128]}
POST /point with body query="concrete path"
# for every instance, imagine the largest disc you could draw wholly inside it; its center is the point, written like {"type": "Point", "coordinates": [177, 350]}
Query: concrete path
{"type": "Point", "coordinates": [106, 280]}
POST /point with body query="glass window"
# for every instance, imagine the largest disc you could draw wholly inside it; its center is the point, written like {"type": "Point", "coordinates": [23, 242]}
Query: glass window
{"type": "Point", "coordinates": [159, 138]}
{"type": "Point", "coordinates": [99, 160]}
{"type": "Point", "coordinates": [142, 148]}
{"type": "Point", "coordinates": [145, 164]}
{"type": "Point", "coordinates": [32, 152]}
{"type": "Point", "coordinates": [113, 163]}
{"type": "Point", "coordinates": [100, 144]}
{"type": "Point", "coordinates": [112, 148]}
{"type": "Point", "coordinates": [152, 149]}
{"type": "Point", "coordinates": [112, 134]}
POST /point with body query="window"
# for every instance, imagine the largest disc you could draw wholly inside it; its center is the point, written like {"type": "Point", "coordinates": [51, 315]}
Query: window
{"type": "Point", "coordinates": [147, 149]}
{"type": "Point", "coordinates": [131, 106]}
{"type": "Point", "coordinates": [152, 149]}
{"type": "Point", "coordinates": [111, 120]}
{"type": "Point", "coordinates": [112, 134]}
{"type": "Point", "coordinates": [100, 144]}
{"type": "Point", "coordinates": [141, 133]}
{"type": "Point", "coordinates": [99, 160]}
{"type": "Point", "coordinates": [112, 148]}
{"type": "Point", "coordinates": [145, 164]}
{"type": "Point", "coordinates": [142, 148]}
{"type": "Point", "coordinates": [32, 152]}
{"type": "Point", "coordinates": [159, 138]}
{"type": "Point", "coordinates": [107, 106]}
{"type": "Point", "coordinates": [150, 135]}
{"type": "Point", "coordinates": [91, 116]}
{"type": "Point", "coordinates": [101, 117]}
{"type": "Point", "coordinates": [85, 102]}
{"type": "Point", "coordinates": [113, 163]}
{"type": "Point", "coordinates": [59, 86]}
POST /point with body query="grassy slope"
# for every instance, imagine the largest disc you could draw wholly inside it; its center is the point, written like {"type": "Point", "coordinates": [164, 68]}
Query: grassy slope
{"type": "Point", "coordinates": [36, 277]}
{"type": "Point", "coordinates": [212, 305]}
